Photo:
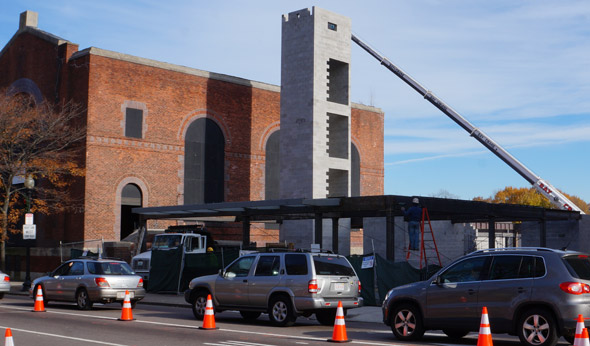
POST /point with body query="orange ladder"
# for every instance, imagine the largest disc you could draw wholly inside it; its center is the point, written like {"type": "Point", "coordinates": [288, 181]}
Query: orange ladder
{"type": "Point", "coordinates": [431, 242]}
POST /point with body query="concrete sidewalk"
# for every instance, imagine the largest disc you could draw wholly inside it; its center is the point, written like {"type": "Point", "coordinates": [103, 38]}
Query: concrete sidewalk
{"type": "Point", "coordinates": [363, 314]}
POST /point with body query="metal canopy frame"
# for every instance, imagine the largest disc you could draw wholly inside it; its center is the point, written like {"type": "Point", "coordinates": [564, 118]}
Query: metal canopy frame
{"type": "Point", "coordinates": [388, 206]}
{"type": "Point", "coordinates": [457, 211]}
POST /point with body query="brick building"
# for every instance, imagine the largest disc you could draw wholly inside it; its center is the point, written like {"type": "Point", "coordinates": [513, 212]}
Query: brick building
{"type": "Point", "coordinates": [161, 134]}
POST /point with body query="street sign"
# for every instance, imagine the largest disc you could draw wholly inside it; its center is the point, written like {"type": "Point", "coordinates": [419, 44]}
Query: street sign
{"type": "Point", "coordinates": [368, 262]}
{"type": "Point", "coordinates": [29, 219]}
{"type": "Point", "coordinates": [29, 231]}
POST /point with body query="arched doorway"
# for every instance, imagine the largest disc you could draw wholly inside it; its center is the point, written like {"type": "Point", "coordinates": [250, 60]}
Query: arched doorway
{"type": "Point", "coordinates": [130, 198]}
{"type": "Point", "coordinates": [204, 161]}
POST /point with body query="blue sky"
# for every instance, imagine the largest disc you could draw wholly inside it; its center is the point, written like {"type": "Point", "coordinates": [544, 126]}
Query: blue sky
{"type": "Point", "coordinates": [518, 70]}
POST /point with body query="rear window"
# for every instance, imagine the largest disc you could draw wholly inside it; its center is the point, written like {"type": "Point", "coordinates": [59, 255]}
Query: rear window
{"type": "Point", "coordinates": [332, 265]}
{"type": "Point", "coordinates": [109, 268]}
{"type": "Point", "coordinates": [578, 266]}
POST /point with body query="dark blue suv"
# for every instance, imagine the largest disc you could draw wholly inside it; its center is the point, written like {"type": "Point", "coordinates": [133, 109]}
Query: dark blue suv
{"type": "Point", "coordinates": [535, 293]}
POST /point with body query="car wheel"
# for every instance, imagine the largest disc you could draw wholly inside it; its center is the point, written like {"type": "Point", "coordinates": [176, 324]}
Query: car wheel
{"type": "Point", "coordinates": [455, 333]}
{"type": "Point", "coordinates": [83, 300]}
{"type": "Point", "coordinates": [1, 295]}
{"type": "Point", "coordinates": [250, 315]}
{"type": "Point", "coordinates": [537, 327]}
{"type": "Point", "coordinates": [406, 322]}
{"type": "Point", "coordinates": [281, 312]}
{"type": "Point", "coordinates": [326, 317]}
{"type": "Point", "coordinates": [199, 304]}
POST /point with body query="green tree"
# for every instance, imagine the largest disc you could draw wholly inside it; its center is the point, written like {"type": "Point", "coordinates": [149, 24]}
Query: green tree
{"type": "Point", "coordinates": [529, 196]}
{"type": "Point", "coordinates": [41, 141]}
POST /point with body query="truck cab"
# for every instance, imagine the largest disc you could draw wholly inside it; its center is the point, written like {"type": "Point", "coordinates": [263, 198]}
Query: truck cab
{"type": "Point", "coordinates": [191, 243]}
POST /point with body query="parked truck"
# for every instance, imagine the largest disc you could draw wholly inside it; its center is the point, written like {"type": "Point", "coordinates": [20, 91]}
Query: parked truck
{"type": "Point", "coordinates": [192, 239]}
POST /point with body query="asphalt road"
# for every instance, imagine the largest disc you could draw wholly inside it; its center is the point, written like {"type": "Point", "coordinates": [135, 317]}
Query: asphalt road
{"type": "Point", "coordinates": [64, 324]}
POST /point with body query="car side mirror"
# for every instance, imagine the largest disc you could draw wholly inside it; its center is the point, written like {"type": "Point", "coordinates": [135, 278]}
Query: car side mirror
{"type": "Point", "coordinates": [438, 280]}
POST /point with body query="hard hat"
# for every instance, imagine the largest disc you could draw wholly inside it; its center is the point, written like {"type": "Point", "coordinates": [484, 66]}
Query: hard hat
{"type": "Point", "coordinates": [415, 200]}
{"type": "Point", "coordinates": [209, 249]}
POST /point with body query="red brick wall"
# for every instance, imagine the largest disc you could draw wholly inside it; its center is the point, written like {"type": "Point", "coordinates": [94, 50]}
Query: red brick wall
{"type": "Point", "coordinates": [247, 116]}
{"type": "Point", "coordinates": [32, 57]}
{"type": "Point", "coordinates": [367, 135]}
{"type": "Point", "coordinates": [29, 56]}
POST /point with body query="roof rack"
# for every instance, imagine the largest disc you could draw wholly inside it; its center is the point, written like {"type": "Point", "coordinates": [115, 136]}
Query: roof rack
{"type": "Point", "coordinates": [98, 258]}
{"type": "Point", "coordinates": [323, 251]}
{"type": "Point", "coordinates": [514, 249]}
{"type": "Point", "coordinates": [280, 249]}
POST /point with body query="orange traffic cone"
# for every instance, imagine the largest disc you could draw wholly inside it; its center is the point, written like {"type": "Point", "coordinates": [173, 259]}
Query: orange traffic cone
{"type": "Point", "coordinates": [126, 313]}
{"type": "Point", "coordinates": [39, 306]}
{"type": "Point", "coordinates": [209, 319]}
{"type": "Point", "coordinates": [584, 340]}
{"type": "Point", "coordinates": [8, 338]}
{"type": "Point", "coordinates": [579, 328]}
{"type": "Point", "coordinates": [339, 333]}
{"type": "Point", "coordinates": [485, 334]}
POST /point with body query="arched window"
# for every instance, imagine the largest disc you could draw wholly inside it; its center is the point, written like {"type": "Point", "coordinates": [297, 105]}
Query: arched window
{"type": "Point", "coordinates": [272, 169]}
{"type": "Point", "coordinates": [131, 197]}
{"type": "Point", "coordinates": [204, 155]}
{"type": "Point", "coordinates": [26, 86]}
{"type": "Point", "coordinates": [355, 172]}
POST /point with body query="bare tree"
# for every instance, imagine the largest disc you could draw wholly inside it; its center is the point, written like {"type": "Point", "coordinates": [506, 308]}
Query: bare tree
{"type": "Point", "coordinates": [42, 141]}
{"type": "Point", "coordinates": [442, 193]}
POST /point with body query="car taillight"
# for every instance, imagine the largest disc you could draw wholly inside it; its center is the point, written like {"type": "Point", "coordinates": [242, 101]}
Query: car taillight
{"type": "Point", "coordinates": [7, 278]}
{"type": "Point", "coordinates": [575, 287]}
{"type": "Point", "coordinates": [312, 286]}
{"type": "Point", "coordinates": [359, 286]}
{"type": "Point", "coordinates": [102, 282]}
{"type": "Point", "coordinates": [140, 283]}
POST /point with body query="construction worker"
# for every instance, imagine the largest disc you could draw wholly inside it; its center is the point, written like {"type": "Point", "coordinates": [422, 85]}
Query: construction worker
{"type": "Point", "coordinates": [414, 215]}
{"type": "Point", "coordinates": [212, 259]}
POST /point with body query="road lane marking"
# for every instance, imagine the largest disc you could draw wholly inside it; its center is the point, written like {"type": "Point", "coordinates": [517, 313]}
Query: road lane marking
{"type": "Point", "coordinates": [62, 313]}
{"type": "Point", "coordinates": [245, 343]}
{"type": "Point", "coordinates": [235, 343]}
{"type": "Point", "coordinates": [176, 325]}
{"type": "Point", "coordinates": [62, 336]}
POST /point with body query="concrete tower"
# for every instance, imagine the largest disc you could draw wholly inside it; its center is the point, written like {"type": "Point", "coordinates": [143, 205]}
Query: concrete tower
{"type": "Point", "coordinates": [315, 117]}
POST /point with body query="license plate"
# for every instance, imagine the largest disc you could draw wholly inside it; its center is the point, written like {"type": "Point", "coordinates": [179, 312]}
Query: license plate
{"type": "Point", "coordinates": [121, 295]}
{"type": "Point", "coordinates": [338, 286]}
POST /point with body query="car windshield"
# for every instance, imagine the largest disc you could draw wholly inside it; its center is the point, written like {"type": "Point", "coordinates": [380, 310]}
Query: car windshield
{"type": "Point", "coordinates": [332, 265]}
{"type": "Point", "coordinates": [578, 266]}
{"type": "Point", "coordinates": [109, 268]}
{"type": "Point", "coordinates": [167, 241]}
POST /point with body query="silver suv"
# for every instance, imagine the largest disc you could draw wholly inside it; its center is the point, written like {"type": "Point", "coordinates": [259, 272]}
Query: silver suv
{"type": "Point", "coordinates": [535, 293]}
{"type": "Point", "coordinates": [284, 285]}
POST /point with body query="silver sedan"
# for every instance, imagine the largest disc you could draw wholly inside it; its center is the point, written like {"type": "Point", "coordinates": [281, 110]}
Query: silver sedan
{"type": "Point", "coordinates": [86, 281]}
{"type": "Point", "coordinates": [4, 284]}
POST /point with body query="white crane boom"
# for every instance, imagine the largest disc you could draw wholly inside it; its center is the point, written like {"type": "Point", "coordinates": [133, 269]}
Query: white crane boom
{"type": "Point", "coordinates": [551, 193]}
